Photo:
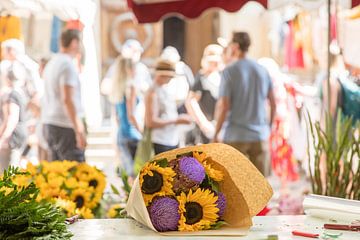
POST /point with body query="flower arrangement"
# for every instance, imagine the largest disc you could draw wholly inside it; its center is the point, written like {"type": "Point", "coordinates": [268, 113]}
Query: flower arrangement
{"type": "Point", "coordinates": [183, 190]}
{"type": "Point", "coordinates": [75, 187]}
{"type": "Point", "coordinates": [198, 188]}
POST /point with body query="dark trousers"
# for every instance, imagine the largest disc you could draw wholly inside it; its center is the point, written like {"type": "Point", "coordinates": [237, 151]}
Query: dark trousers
{"type": "Point", "coordinates": [62, 144]}
{"type": "Point", "coordinates": [159, 148]}
{"type": "Point", "coordinates": [132, 146]}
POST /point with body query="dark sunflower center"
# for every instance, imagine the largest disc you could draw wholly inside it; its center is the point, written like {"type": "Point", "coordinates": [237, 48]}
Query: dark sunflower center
{"type": "Point", "coordinates": [194, 212]}
{"type": "Point", "coordinates": [79, 200]}
{"type": "Point", "coordinates": [93, 183]}
{"type": "Point", "coordinates": [152, 184]}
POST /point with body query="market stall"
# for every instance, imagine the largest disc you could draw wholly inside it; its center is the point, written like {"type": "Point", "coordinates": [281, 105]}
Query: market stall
{"type": "Point", "coordinates": [33, 16]}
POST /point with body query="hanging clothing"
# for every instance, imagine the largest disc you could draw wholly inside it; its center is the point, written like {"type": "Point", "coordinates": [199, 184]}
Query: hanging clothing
{"type": "Point", "coordinates": [75, 24]}
{"type": "Point", "coordinates": [55, 34]}
{"type": "Point", "coordinates": [333, 27]}
{"type": "Point", "coordinates": [294, 57]}
{"type": "Point", "coordinates": [350, 99]}
{"type": "Point", "coordinates": [10, 27]}
{"type": "Point", "coordinates": [283, 159]}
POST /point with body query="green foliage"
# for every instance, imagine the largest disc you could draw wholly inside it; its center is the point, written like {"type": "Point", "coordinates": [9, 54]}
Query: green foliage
{"type": "Point", "coordinates": [21, 217]}
{"type": "Point", "coordinates": [336, 150]}
{"type": "Point", "coordinates": [126, 189]}
{"type": "Point", "coordinates": [125, 180]}
{"type": "Point", "coordinates": [114, 189]}
{"type": "Point", "coordinates": [208, 183]}
{"type": "Point", "coordinates": [218, 225]}
{"type": "Point", "coordinates": [187, 154]}
{"type": "Point", "coordinates": [162, 162]}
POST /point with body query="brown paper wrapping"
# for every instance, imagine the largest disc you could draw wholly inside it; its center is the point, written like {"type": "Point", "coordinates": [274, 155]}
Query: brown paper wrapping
{"type": "Point", "coordinates": [246, 190]}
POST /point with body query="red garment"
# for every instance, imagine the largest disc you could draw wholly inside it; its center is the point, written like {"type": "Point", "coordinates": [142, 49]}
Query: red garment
{"type": "Point", "coordinates": [153, 12]}
{"type": "Point", "coordinates": [283, 161]}
{"type": "Point", "coordinates": [333, 27]}
{"type": "Point", "coordinates": [75, 24]}
{"type": "Point", "coordinates": [294, 57]}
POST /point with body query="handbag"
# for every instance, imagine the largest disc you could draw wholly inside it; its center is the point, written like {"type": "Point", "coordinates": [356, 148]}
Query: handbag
{"type": "Point", "coordinates": [144, 151]}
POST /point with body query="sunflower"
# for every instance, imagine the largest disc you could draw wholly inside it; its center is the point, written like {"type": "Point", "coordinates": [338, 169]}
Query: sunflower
{"type": "Point", "coordinates": [97, 181]}
{"type": "Point", "coordinates": [71, 183]}
{"type": "Point", "coordinates": [83, 171]}
{"type": "Point", "coordinates": [114, 211]}
{"type": "Point", "coordinates": [214, 174]}
{"type": "Point", "coordinates": [197, 210]}
{"type": "Point", "coordinates": [95, 199]}
{"type": "Point", "coordinates": [39, 180]}
{"type": "Point", "coordinates": [85, 212]}
{"type": "Point", "coordinates": [33, 170]}
{"type": "Point", "coordinates": [81, 197]}
{"type": "Point", "coordinates": [55, 180]}
{"type": "Point", "coordinates": [6, 190]}
{"type": "Point", "coordinates": [22, 180]}
{"type": "Point", "coordinates": [66, 205]}
{"type": "Point", "coordinates": [56, 167]}
{"type": "Point", "coordinates": [156, 181]}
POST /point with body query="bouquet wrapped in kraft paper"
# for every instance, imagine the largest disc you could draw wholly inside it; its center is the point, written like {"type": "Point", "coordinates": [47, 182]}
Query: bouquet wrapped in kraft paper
{"type": "Point", "coordinates": [210, 189]}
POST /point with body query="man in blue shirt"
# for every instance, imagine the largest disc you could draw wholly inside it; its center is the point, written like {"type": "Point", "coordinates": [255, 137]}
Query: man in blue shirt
{"type": "Point", "coordinates": [241, 109]}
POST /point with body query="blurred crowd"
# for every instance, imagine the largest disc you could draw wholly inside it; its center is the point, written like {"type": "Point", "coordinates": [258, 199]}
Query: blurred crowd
{"type": "Point", "coordinates": [250, 105]}
{"type": "Point", "coordinates": [40, 104]}
{"type": "Point", "coordinates": [161, 109]}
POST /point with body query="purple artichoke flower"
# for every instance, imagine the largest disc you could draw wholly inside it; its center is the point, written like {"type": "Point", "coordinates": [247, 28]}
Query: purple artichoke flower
{"type": "Point", "coordinates": [221, 204]}
{"type": "Point", "coordinates": [164, 214]}
{"type": "Point", "coordinates": [192, 169]}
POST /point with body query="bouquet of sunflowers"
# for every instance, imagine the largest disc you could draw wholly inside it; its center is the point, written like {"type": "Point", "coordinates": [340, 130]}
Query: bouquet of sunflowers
{"type": "Point", "coordinates": [75, 187]}
{"type": "Point", "coordinates": [199, 188]}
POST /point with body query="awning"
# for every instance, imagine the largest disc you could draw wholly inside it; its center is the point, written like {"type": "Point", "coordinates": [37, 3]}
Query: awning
{"type": "Point", "coordinates": [355, 3]}
{"type": "Point", "coordinates": [147, 11]}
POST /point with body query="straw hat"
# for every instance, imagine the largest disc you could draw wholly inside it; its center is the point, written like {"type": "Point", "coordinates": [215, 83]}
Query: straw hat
{"type": "Point", "coordinates": [165, 68]}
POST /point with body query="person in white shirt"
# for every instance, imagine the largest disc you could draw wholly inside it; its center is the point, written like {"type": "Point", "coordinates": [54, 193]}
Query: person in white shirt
{"type": "Point", "coordinates": [62, 110]}
{"type": "Point", "coordinates": [161, 114]}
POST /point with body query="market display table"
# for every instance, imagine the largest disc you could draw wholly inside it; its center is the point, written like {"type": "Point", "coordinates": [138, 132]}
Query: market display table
{"type": "Point", "coordinates": [282, 226]}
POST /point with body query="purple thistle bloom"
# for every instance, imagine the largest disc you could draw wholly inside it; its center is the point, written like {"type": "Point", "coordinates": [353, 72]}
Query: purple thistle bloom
{"type": "Point", "coordinates": [164, 214]}
{"type": "Point", "coordinates": [221, 204]}
{"type": "Point", "coordinates": [192, 169]}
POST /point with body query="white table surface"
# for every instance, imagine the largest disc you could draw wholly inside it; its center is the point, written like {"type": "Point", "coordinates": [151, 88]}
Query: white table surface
{"type": "Point", "coordinates": [127, 229]}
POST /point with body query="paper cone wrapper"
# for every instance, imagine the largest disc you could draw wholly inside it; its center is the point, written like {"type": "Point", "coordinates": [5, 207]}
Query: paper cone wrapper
{"type": "Point", "coordinates": [246, 190]}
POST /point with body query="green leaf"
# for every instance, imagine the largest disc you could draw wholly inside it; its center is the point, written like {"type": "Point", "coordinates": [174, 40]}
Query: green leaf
{"type": "Point", "coordinates": [114, 189]}
{"type": "Point", "coordinates": [162, 162]}
{"type": "Point", "coordinates": [218, 225]}
{"type": "Point", "coordinates": [125, 180]}
{"type": "Point", "coordinates": [209, 183]}
{"type": "Point", "coordinates": [187, 154]}
{"type": "Point", "coordinates": [214, 186]}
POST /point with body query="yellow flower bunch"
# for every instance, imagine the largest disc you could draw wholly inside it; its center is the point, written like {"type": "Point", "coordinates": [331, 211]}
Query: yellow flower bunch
{"type": "Point", "coordinates": [75, 187]}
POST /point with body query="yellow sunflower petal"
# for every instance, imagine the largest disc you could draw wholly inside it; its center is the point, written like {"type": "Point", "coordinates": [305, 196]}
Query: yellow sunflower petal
{"type": "Point", "coordinates": [168, 177]}
{"type": "Point", "coordinates": [207, 200]}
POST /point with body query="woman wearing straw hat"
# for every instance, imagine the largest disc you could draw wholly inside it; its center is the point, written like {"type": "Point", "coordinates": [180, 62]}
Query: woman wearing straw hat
{"type": "Point", "coordinates": [161, 114]}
